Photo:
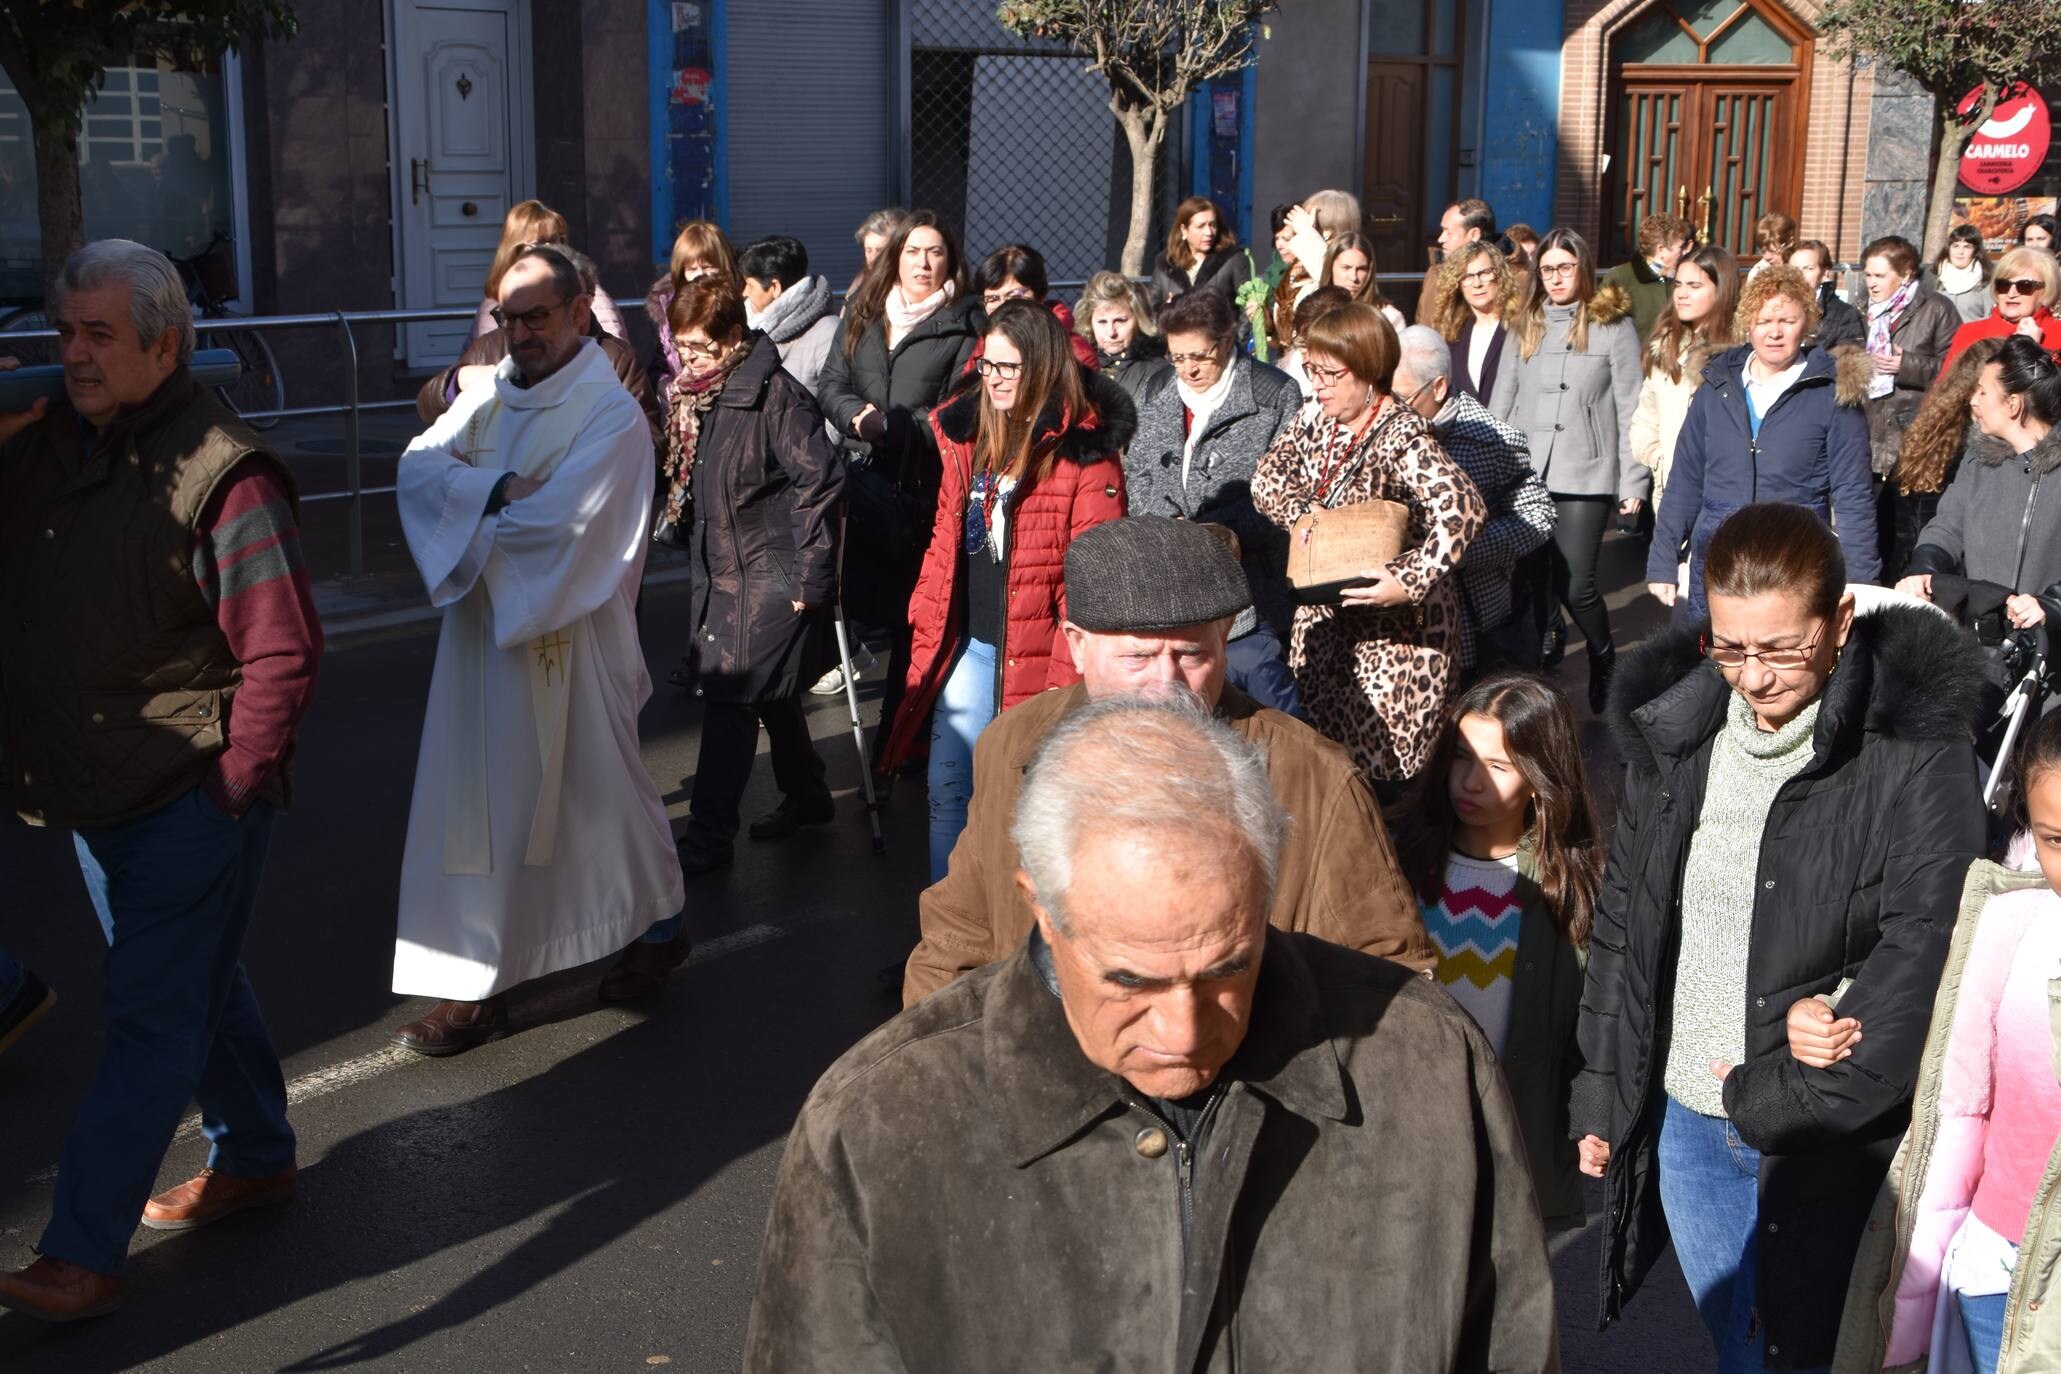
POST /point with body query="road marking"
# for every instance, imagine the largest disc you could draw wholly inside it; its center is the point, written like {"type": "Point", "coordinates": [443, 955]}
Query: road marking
{"type": "Point", "coordinates": [543, 1011]}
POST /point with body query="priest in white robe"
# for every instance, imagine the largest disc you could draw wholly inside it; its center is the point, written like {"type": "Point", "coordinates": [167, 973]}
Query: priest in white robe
{"type": "Point", "coordinates": [537, 840]}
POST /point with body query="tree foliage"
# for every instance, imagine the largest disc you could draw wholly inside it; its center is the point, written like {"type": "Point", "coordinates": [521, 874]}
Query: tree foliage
{"type": "Point", "coordinates": [1951, 47]}
{"type": "Point", "coordinates": [54, 52]}
{"type": "Point", "coordinates": [1154, 54]}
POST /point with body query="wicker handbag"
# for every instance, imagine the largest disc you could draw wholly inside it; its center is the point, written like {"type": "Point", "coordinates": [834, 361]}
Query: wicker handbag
{"type": "Point", "coordinates": [1332, 549]}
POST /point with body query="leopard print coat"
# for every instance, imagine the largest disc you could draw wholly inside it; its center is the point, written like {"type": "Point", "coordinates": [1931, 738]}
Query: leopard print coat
{"type": "Point", "coordinates": [1379, 681]}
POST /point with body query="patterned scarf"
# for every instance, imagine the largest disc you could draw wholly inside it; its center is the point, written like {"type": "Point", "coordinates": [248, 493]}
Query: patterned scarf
{"type": "Point", "coordinates": [1882, 318]}
{"type": "Point", "coordinates": [688, 401]}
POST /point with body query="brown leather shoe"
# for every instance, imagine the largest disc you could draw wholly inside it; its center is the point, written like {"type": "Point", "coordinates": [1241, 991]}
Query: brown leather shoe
{"type": "Point", "coordinates": [211, 1195]}
{"type": "Point", "coordinates": [643, 969]}
{"type": "Point", "coordinates": [59, 1291]}
{"type": "Point", "coordinates": [453, 1027]}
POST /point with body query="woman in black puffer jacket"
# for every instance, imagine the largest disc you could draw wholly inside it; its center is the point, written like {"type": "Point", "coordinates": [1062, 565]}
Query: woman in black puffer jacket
{"type": "Point", "coordinates": [909, 329]}
{"type": "Point", "coordinates": [1788, 830]}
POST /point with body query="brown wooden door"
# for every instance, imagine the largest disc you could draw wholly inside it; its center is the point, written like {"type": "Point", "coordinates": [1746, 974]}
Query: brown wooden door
{"type": "Point", "coordinates": [1749, 134]}
{"type": "Point", "coordinates": [1392, 193]}
{"type": "Point", "coordinates": [1657, 120]}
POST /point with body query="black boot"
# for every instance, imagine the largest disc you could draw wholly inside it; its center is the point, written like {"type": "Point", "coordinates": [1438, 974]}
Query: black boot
{"type": "Point", "coordinates": [1602, 667]}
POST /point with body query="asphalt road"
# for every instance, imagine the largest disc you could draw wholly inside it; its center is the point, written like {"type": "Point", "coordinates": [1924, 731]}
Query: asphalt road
{"type": "Point", "coordinates": [587, 1195]}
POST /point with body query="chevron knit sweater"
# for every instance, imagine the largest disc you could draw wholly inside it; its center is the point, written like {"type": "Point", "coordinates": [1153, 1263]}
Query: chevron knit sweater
{"type": "Point", "coordinates": [1474, 923]}
{"type": "Point", "coordinates": [1747, 768]}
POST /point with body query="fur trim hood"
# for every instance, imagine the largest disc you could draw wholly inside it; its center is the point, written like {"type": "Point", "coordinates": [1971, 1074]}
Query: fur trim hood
{"type": "Point", "coordinates": [1906, 673]}
{"type": "Point", "coordinates": [1849, 369]}
{"type": "Point", "coordinates": [1695, 359]}
{"type": "Point", "coordinates": [1102, 433]}
{"type": "Point", "coordinates": [2044, 456]}
{"type": "Point", "coordinates": [1610, 304]}
{"type": "Point", "coordinates": [1853, 370]}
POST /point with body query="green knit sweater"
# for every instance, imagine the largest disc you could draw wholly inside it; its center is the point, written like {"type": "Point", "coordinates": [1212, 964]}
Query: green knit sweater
{"type": "Point", "coordinates": [1748, 766]}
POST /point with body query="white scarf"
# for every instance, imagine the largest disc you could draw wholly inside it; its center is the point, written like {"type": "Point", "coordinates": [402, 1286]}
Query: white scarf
{"type": "Point", "coordinates": [1955, 280]}
{"type": "Point", "coordinates": [1202, 405]}
{"type": "Point", "coordinates": [902, 317]}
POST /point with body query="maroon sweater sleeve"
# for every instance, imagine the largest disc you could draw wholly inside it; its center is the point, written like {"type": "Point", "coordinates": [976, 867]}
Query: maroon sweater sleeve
{"type": "Point", "coordinates": [247, 559]}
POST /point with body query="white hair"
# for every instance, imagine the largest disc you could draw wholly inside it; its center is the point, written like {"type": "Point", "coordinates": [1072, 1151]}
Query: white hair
{"type": "Point", "coordinates": [1159, 763]}
{"type": "Point", "coordinates": [1425, 355]}
{"type": "Point", "coordinates": [157, 294]}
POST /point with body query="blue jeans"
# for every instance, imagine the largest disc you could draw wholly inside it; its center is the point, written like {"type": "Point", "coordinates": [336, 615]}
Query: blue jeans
{"type": "Point", "coordinates": [1257, 665]}
{"type": "Point", "coordinates": [12, 975]}
{"type": "Point", "coordinates": [1983, 1320]}
{"type": "Point", "coordinates": [964, 709]}
{"type": "Point", "coordinates": [174, 891]}
{"type": "Point", "coordinates": [1710, 1191]}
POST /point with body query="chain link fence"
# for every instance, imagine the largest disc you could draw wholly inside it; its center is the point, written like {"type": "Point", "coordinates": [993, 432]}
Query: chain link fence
{"type": "Point", "coordinates": [1012, 142]}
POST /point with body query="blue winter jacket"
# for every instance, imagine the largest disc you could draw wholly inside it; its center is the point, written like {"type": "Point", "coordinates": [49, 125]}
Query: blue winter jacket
{"type": "Point", "coordinates": [1812, 451]}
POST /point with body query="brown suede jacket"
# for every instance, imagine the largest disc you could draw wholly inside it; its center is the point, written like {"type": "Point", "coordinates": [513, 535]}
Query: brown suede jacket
{"type": "Point", "coordinates": [1338, 875]}
{"type": "Point", "coordinates": [965, 1190]}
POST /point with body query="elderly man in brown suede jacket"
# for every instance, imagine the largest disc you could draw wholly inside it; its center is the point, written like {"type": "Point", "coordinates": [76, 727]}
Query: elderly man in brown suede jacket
{"type": "Point", "coordinates": [1161, 1135]}
{"type": "Point", "coordinates": [1150, 603]}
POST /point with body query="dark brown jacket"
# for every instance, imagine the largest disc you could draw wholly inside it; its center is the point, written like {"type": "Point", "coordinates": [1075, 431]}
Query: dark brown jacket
{"type": "Point", "coordinates": [119, 682]}
{"type": "Point", "coordinates": [964, 1190]}
{"type": "Point", "coordinates": [491, 347]}
{"type": "Point", "coordinates": [1338, 875]}
{"type": "Point", "coordinates": [766, 485]}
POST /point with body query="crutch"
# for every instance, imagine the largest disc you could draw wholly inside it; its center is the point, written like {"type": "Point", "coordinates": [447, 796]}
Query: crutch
{"type": "Point", "coordinates": [851, 696]}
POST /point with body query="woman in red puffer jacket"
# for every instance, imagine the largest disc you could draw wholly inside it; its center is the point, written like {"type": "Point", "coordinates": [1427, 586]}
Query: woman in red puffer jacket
{"type": "Point", "coordinates": [992, 592]}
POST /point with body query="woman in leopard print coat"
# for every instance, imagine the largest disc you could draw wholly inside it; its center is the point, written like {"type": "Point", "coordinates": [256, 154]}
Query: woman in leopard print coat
{"type": "Point", "coordinates": [1377, 671]}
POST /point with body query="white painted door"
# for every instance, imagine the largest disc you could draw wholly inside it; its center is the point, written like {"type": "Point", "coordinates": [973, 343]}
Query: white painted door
{"type": "Point", "coordinates": [461, 143]}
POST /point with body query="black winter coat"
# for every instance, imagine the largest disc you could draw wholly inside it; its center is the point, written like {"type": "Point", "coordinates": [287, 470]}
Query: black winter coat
{"type": "Point", "coordinates": [1859, 878]}
{"type": "Point", "coordinates": [1224, 270]}
{"type": "Point", "coordinates": [766, 486]}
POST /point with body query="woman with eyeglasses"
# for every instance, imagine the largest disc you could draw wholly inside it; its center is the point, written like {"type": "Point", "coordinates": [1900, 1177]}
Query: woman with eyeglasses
{"type": "Point", "coordinates": [1198, 443]}
{"type": "Point", "coordinates": [1992, 525]}
{"type": "Point", "coordinates": [1016, 272]}
{"type": "Point", "coordinates": [1376, 670]}
{"type": "Point", "coordinates": [1775, 420]}
{"type": "Point", "coordinates": [1032, 445]}
{"type": "Point", "coordinates": [1910, 328]}
{"type": "Point", "coordinates": [1577, 378]}
{"type": "Point", "coordinates": [2027, 285]}
{"type": "Point", "coordinates": [1476, 291]}
{"type": "Point", "coordinates": [1800, 805]}
{"type": "Point", "coordinates": [907, 335]}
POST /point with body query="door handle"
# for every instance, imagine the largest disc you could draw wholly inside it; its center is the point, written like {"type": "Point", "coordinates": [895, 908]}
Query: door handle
{"type": "Point", "coordinates": [418, 179]}
{"type": "Point", "coordinates": [1387, 219]}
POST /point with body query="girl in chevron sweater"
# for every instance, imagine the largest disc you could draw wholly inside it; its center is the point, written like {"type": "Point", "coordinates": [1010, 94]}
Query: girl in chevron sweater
{"type": "Point", "coordinates": [1501, 844]}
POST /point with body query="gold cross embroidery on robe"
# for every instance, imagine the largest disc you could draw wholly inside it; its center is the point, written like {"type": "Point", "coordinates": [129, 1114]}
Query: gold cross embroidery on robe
{"type": "Point", "coordinates": [550, 650]}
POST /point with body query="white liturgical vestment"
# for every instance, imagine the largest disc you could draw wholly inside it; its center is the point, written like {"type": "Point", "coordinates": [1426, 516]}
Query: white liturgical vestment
{"type": "Point", "coordinates": [536, 838]}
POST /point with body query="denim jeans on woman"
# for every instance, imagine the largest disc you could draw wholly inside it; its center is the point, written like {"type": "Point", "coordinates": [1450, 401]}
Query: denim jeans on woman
{"type": "Point", "coordinates": [1710, 1191]}
{"type": "Point", "coordinates": [964, 709]}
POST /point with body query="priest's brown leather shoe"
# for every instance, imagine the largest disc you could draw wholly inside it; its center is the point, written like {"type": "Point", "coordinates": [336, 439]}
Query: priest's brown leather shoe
{"type": "Point", "coordinates": [59, 1291]}
{"type": "Point", "coordinates": [453, 1027]}
{"type": "Point", "coordinates": [211, 1195]}
{"type": "Point", "coordinates": [643, 969]}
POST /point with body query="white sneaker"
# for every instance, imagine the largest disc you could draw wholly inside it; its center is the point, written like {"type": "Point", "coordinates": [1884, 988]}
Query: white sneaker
{"type": "Point", "coordinates": [832, 682]}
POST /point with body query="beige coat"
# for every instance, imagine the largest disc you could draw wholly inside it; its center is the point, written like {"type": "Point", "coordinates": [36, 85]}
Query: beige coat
{"type": "Point", "coordinates": [1663, 405]}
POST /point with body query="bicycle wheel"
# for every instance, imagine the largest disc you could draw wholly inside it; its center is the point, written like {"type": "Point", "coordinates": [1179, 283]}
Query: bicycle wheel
{"type": "Point", "coordinates": [34, 352]}
{"type": "Point", "coordinates": [261, 386]}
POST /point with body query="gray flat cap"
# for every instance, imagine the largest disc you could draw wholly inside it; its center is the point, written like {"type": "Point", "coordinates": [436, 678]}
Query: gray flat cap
{"type": "Point", "coordinates": [1151, 573]}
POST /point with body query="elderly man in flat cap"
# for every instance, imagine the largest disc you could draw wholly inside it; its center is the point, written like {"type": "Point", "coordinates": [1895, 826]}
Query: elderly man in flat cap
{"type": "Point", "coordinates": [1160, 1135]}
{"type": "Point", "coordinates": [1150, 602]}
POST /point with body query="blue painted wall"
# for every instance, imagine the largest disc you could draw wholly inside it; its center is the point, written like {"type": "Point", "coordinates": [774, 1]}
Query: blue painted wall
{"type": "Point", "coordinates": [1520, 145]}
{"type": "Point", "coordinates": [686, 81]}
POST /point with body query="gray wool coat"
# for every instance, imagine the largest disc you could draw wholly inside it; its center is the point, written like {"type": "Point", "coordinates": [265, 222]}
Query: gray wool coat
{"type": "Point", "coordinates": [1998, 521]}
{"type": "Point", "coordinates": [965, 1191]}
{"type": "Point", "coordinates": [1261, 402]}
{"type": "Point", "coordinates": [1576, 408]}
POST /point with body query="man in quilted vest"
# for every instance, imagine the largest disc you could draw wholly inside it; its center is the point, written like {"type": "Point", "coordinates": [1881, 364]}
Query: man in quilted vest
{"type": "Point", "coordinates": [159, 650]}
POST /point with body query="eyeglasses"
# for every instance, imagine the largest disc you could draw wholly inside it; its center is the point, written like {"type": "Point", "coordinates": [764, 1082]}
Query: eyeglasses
{"type": "Point", "coordinates": [1184, 359]}
{"type": "Point", "coordinates": [2024, 286]}
{"type": "Point", "coordinates": [1418, 394]}
{"type": "Point", "coordinates": [698, 348]}
{"type": "Point", "coordinates": [991, 299]}
{"type": "Point", "coordinates": [1481, 277]}
{"type": "Point", "coordinates": [532, 320]}
{"type": "Point", "coordinates": [989, 367]}
{"type": "Point", "coordinates": [1325, 376]}
{"type": "Point", "coordinates": [1557, 270]}
{"type": "Point", "coordinates": [1775, 660]}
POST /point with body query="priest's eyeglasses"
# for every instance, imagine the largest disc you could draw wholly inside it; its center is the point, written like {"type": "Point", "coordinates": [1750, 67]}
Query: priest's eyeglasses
{"type": "Point", "coordinates": [532, 320]}
{"type": "Point", "coordinates": [1775, 660]}
{"type": "Point", "coordinates": [988, 367]}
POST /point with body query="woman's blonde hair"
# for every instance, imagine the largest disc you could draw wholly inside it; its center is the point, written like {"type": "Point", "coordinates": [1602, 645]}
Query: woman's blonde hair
{"type": "Point", "coordinates": [703, 242]}
{"type": "Point", "coordinates": [1337, 212]}
{"type": "Point", "coordinates": [2038, 262]}
{"type": "Point", "coordinates": [1450, 312]}
{"type": "Point", "coordinates": [1939, 431]}
{"type": "Point", "coordinates": [1771, 283]}
{"type": "Point", "coordinates": [1112, 288]}
{"type": "Point", "coordinates": [527, 222]}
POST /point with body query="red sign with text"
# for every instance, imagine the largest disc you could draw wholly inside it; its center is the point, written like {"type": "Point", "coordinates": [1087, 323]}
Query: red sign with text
{"type": "Point", "coordinates": [2010, 145]}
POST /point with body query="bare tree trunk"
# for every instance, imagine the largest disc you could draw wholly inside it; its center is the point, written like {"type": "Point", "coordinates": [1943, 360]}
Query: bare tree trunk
{"type": "Point", "coordinates": [1143, 132]}
{"type": "Point", "coordinates": [59, 211]}
{"type": "Point", "coordinates": [1952, 137]}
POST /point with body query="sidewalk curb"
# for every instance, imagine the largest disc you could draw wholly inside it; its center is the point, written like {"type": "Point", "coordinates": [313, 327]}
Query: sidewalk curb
{"type": "Point", "coordinates": [359, 627]}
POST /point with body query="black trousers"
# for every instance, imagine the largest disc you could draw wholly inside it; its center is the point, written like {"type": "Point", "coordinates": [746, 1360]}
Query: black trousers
{"type": "Point", "coordinates": [729, 743]}
{"type": "Point", "coordinates": [1577, 545]}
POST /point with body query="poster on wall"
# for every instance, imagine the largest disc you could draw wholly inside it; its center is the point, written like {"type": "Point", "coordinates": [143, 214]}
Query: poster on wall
{"type": "Point", "coordinates": [1999, 218]}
